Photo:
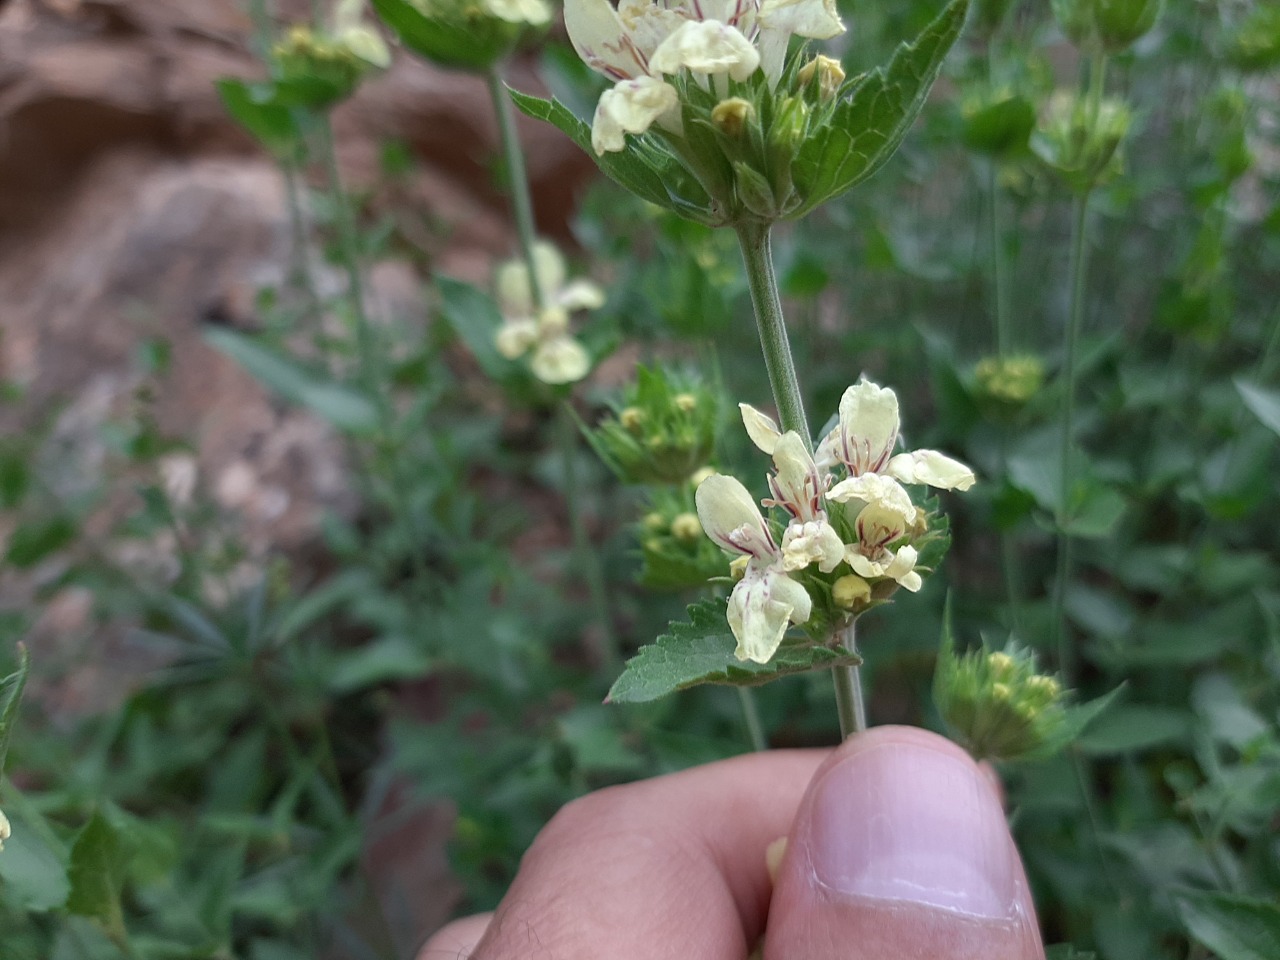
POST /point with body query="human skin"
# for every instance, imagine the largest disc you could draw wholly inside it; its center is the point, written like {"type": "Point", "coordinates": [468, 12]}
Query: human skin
{"type": "Point", "coordinates": [897, 849]}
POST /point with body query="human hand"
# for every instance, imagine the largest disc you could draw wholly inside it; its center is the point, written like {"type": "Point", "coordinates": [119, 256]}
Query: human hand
{"type": "Point", "coordinates": [898, 850]}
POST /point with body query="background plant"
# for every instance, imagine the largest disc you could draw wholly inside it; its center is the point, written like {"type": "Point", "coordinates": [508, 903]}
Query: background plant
{"type": "Point", "coordinates": [217, 811]}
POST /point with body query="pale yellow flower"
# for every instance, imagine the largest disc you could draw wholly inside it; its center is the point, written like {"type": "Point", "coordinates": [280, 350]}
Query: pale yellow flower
{"type": "Point", "coordinates": [542, 331]}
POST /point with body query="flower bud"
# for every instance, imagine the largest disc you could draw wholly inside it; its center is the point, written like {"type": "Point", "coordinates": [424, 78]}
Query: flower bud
{"type": "Point", "coordinates": [851, 592]}
{"type": "Point", "coordinates": [732, 116]}
{"type": "Point", "coordinates": [1079, 140]}
{"type": "Point", "coordinates": [997, 123]}
{"type": "Point", "coordinates": [1120, 23]}
{"type": "Point", "coordinates": [686, 527]}
{"type": "Point", "coordinates": [738, 567]}
{"type": "Point", "coordinates": [1010, 381]}
{"type": "Point", "coordinates": [468, 35]}
{"type": "Point", "coordinates": [663, 430]}
{"type": "Point", "coordinates": [829, 74]}
{"type": "Point", "coordinates": [997, 706]}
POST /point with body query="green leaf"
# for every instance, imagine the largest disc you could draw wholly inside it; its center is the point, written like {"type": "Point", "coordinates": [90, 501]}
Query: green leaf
{"type": "Point", "coordinates": [32, 874]}
{"type": "Point", "coordinates": [475, 319]}
{"type": "Point", "coordinates": [1232, 926]}
{"type": "Point", "coordinates": [644, 168]}
{"type": "Point", "coordinates": [341, 405]}
{"type": "Point", "coordinates": [868, 126]}
{"type": "Point", "coordinates": [701, 651]}
{"type": "Point", "coordinates": [11, 688]}
{"type": "Point", "coordinates": [96, 874]}
{"type": "Point", "coordinates": [462, 43]}
{"type": "Point", "coordinates": [1134, 727]}
{"type": "Point", "coordinates": [1065, 951]}
{"type": "Point", "coordinates": [1263, 402]}
{"type": "Point", "coordinates": [32, 542]}
{"type": "Point", "coordinates": [271, 123]}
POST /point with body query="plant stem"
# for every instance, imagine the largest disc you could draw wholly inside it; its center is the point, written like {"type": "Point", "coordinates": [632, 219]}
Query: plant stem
{"type": "Point", "coordinates": [1066, 449]}
{"type": "Point", "coordinates": [757, 254]}
{"type": "Point", "coordinates": [349, 253]}
{"type": "Point", "coordinates": [586, 559]}
{"type": "Point", "coordinates": [848, 681]}
{"type": "Point", "coordinates": [751, 717]}
{"type": "Point", "coordinates": [1004, 336]}
{"type": "Point", "coordinates": [517, 177]}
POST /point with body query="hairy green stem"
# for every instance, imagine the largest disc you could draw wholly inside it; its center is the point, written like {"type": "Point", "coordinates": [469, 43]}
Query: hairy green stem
{"type": "Point", "coordinates": [762, 279]}
{"type": "Point", "coordinates": [585, 557]}
{"type": "Point", "coordinates": [848, 680]}
{"type": "Point", "coordinates": [1066, 449]}
{"type": "Point", "coordinates": [517, 177]}
{"type": "Point", "coordinates": [757, 254]}
{"type": "Point", "coordinates": [751, 717]}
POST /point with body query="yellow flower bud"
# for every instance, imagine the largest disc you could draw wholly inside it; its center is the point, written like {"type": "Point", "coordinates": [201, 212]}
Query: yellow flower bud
{"type": "Point", "coordinates": [851, 591]}
{"type": "Point", "coordinates": [1001, 664]}
{"type": "Point", "coordinates": [732, 115]}
{"type": "Point", "coordinates": [700, 475]}
{"type": "Point", "coordinates": [1001, 691]}
{"type": "Point", "coordinates": [686, 402]}
{"type": "Point", "coordinates": [1045, 688]}
{"type": "Point", "coordinates": [829, 72]}
{"type": "Point", "coordinates": [738, 568]}
{"type": "Point", "coordinates": [686, 527]}
{"type": "Point", "coordinates": [632, 419]}
{"type": "Point", "coordinates": [655, 522]}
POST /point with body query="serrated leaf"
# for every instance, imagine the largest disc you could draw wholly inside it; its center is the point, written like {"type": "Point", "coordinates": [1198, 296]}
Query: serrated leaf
{"type": "Point", "coordinates": [1232, 926]}
{"type": "Point", "coordinates": [867, 128]}
{"type": "Point", "coordinates": [701, 651]}
{"type": "Point", "coordinates": [342, 405]}
{"type": "Point", "coordinates": [643, 169]}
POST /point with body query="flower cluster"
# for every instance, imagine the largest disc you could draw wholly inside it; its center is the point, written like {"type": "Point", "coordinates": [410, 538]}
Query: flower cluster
{"type": "Point", "coordinates": [644, 45]}
{"type": "Point", "coordinates": [855, 530]}
{"type": "Point", "coordinates": [662, 430]}
{"type": "Point", "coordinates": [330, 64]}
{"type": "Point", "coordinates": [535, 315]}
{"type": "Point", "coordinates": [998, 706]}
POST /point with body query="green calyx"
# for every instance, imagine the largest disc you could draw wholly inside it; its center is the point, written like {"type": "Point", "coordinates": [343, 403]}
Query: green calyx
{"type": "Point", "coordinates": [661, 430]}
{"type": "Point", "coordinates": [1079, 139]}
{"type": "Point", "coordinates": [1110, 25]}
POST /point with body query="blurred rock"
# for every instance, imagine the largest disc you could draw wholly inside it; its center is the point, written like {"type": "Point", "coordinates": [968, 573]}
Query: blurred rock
{"type": "Point", "coordinates": [132, 207]}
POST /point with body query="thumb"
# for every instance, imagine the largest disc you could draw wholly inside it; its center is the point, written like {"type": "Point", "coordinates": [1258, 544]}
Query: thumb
{"type": "Point", "coordinates": [900, 851]}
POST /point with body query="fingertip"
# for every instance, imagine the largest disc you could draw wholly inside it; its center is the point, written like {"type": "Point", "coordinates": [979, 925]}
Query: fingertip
{"type": "Point", "coordinates": [900, 849]}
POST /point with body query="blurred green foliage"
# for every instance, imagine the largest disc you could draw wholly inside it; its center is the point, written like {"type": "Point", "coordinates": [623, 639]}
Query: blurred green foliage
{"type": "Point", "coordinates": [443, 644]}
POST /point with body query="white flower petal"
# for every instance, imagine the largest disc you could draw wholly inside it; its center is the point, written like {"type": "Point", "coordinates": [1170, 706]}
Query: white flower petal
{"type": "Point", "coordinates": [516, 337]}
{"type": "Point", "coordinates": [875, 488]}
{"type": "Point", "coordinates": [902, 568]}
{"type": "Point", "coordinates": [933, 468]}
{"type": "Point", "coordinates": [812, 542]}
{"type": "Point", "coordinates": [879, 525]}
{"type": "Point", "coordinates": [631, 106]}
{"type": "Point", "coordinates": [816, 19]}
{"type": "Point", "coordinates": [602, 40]}
{"type": "Point", "coordinates": [795, 483]}
{"type": "Point", "coordinates": [730, 517]}
{"type": "Point", "coordinates": [534, 12]}
{"type": "Point", "coordinates": [708, 47]}
{"type": "Point", "coordinates": [868, 428]}
{"type": "Point", "coordinates": [560, 360]}
{"type": "Point", "coordinates": [581, 295]}
{"type": "Point", "coordinates": [761, 606]}
{"type": "Point", "coordinates": [367, 44]}
{"type": "Point", "coordinates": [761, 429]}
{"type": "Point", "coordinates": [4, 829]}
